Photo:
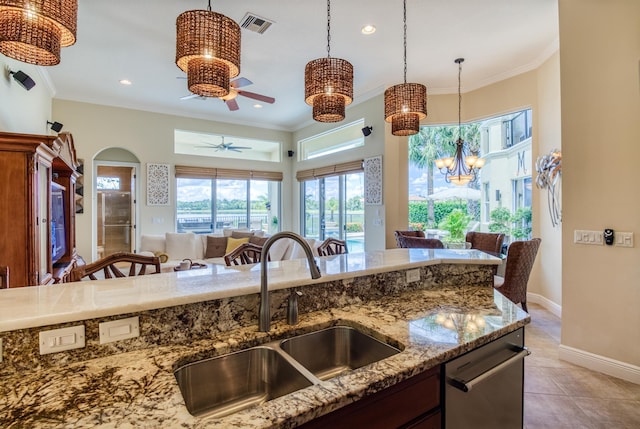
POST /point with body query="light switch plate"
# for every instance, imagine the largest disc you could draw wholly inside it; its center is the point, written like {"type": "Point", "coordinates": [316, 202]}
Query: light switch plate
{"type": "Point", "coordinates": [624, 239]}
{"type": "Point", "coordinates": [121, 329]}
{"type": "Point", "coordinates": [58, 340]}
{"type": "Point", "coordinates": [581, 236]}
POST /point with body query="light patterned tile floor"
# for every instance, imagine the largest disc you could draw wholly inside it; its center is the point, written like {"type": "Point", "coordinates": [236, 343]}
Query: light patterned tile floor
{"type": "Point", "coordinates": [560, 395]}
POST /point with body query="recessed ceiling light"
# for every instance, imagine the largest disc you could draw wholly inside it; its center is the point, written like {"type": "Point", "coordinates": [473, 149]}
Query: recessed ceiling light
{"type": "Point", "coordinates": [125, 82]}
{"type": "Point", "coordinates": [368, 29]}
{"type": "Point", "coordinates": [257, 106]}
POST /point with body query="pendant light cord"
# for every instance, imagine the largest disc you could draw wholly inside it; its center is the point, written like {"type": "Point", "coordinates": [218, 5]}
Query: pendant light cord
{"type": "Point", "coordinates": [459, 61]}
{"type": "Point", "coordinates": [209, 8]}
{"type": "Point", "coordinates": [404, 19]}
{"type": "Point", "coordinates": [328, 28]}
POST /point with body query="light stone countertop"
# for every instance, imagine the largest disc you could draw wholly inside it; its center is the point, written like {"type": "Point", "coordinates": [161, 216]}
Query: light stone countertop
{"type": "Point", "coordinates": [30, 307]}
{"type": "Point", "coordinates": [138, 390]}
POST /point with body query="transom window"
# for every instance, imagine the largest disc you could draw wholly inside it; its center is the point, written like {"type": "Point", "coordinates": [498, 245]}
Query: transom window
{"type": "Point", "coordinates": [337, 140]}
{"type": "Point", "coordinates": [220, 146]}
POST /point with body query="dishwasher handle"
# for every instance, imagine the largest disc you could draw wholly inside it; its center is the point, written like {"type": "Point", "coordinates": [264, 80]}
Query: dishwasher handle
{"type": "Point", "coordinates": [466, 386]}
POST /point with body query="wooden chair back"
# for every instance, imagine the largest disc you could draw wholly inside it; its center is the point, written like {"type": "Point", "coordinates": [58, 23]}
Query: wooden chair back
{"type": "Point", "coordinates": [4, 277]}
{"type": "Point", "coordinates": [520, 258]}
{"type": "Point", "coordinates": [419, 234]}
{"type": "Point", "coordinates": [109, 266]}
{"type": "Point", "coordinates": [487, 241]}
{"type": "Point", "coordinates": [332, 246]}
{"type": "Point", "coordinates": [418, 242]}
{"type": "Point", "coordinates": [246, 253]}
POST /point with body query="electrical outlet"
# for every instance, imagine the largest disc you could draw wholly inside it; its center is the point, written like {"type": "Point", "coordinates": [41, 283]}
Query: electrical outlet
{"type": "Point", "coordinates": [413, 275]}
{"type": "Point", "coordinates": [117, 330]}
{"type": "Point", "coordinates": [58, 340]}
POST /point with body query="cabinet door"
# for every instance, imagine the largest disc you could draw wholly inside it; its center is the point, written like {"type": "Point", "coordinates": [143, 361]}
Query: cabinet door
{"type": "Point", "coordinates": [42, 222]}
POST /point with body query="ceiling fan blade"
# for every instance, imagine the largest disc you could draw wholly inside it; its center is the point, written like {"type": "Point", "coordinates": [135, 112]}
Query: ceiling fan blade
{"type": "Point", "coordinates": [240, 147]}
{"type": "Point", "coordinates": [240, 82]}
{"type": "Point", "coordinates": [234, 149]}
{"type": "Point", "coordinates": [190, 96]}
{"type": "Point", "coordinates": [232, 104]}
{"type": "Point", "coordinates": [258, 97]}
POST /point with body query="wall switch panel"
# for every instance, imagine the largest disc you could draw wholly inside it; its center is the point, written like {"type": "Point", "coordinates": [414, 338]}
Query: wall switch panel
{"type": "Point", "coordinates": [58, 340]}
{"type": "Point", "coordinates": [413, 275]}
{"type": "Point", "coordinates": [581, 236]}
{"type": "Point", "coordinates": [121, 329]}
{"type": "Point", "coordinates": [624, 239]}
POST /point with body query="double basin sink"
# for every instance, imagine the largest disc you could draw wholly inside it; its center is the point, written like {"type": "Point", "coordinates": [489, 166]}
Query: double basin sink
{"type": "Point", "coordinates": [229, 383]}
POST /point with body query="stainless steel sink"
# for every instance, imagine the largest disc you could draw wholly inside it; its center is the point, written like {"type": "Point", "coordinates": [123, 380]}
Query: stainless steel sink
{"type": "Point", "coordinates": [223, 385]}
{"type": "Point", "coordinates": [333, 351]}
{"type": "Point", "coordinates": [226, 384]}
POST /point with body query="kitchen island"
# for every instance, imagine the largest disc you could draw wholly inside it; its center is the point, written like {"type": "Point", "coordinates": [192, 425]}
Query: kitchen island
{"type": "Point", "coordinates": [194, 315]}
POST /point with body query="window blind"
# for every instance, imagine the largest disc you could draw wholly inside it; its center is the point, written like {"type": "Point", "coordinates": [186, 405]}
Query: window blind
{"type": "Point", "coordinates": [226, 173]}
{"type": "Point", "coordinates": [331, 170]}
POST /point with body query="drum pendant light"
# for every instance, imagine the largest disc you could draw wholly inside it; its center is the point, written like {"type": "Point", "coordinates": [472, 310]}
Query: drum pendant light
{"type": "Point", "coordinates": [328, 83]}
{"type": "Point", "coordinates": [208, 50]}
{"type": "Point", "coordinates": [405, 104]}
{"type": "Point", "coordinates": [33, 31]}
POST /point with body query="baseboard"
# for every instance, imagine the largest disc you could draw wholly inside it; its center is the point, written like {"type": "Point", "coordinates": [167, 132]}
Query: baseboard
{"type": "Point", "coordinates": [545, 302]}
{"type": "Point", "coordinates": [599, 363]}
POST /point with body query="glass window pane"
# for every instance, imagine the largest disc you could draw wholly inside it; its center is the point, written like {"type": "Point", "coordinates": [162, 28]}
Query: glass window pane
{"type": "Point", "coordinates": [354, 227]}
{"type": "Point", "coordinates": [193, 205]}
{"type": "Point", "coordinates": [231, 204]}
{"type": "Point", "coordinates": [265, 206]}
{"type": "Point", "coordinates": [311, 221]}
{"type": "Point", "coordinates": [331, 225]}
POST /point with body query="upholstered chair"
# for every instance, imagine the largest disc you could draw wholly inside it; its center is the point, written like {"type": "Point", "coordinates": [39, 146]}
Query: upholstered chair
{"type": "Point", "coordinates": [111, 266]}
{"type": "Point", "coordinates": [408, 234]}
{"type": "Point", "coordinates": [486, 241]}
{"type": "Point", "coordinates": [419, 242]}
{"type": "Point", "coordinates": [520, 258]}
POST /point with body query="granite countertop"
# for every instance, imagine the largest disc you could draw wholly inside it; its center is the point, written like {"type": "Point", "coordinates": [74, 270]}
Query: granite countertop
{"type": "Point", "coordinates": [138, 389]}
{"type": "Point", "coordinates": [28, 307]}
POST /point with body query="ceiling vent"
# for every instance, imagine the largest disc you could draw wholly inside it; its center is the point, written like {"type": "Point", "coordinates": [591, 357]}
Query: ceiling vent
{"type": "Point", "coordinates": [253, 22]}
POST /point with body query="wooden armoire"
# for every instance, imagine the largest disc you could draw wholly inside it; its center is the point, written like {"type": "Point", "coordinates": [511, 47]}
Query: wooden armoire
{"type": "Point", "coordinates": [37, 171]}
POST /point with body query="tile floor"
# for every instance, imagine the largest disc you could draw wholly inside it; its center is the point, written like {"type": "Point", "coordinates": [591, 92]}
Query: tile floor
{"type": "Point", "coordinates": [561, 395]}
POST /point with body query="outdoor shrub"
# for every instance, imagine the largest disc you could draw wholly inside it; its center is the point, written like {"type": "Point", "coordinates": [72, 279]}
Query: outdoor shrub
{"type": "Point", "coordinates": [456, 223]}
{"type": "Point", "coordinates": [354, 227]}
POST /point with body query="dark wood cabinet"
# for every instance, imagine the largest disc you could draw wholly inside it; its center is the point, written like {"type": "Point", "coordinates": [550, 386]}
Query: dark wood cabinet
{"type": "Point", "coordinates": [413, 403]}
{"type": "Point", "coordinates": [30, 165]}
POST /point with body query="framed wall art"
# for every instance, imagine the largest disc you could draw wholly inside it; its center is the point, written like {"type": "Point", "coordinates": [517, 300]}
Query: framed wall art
{"type": "Point", "coordinates": [158, 184]}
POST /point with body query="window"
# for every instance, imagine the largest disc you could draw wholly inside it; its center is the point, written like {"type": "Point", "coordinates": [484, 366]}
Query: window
{"type": "Point", "coordinates": [337, 140]}
{"type": "Point", "coordinates": [333, 203]}
{"type": "Point", "coordinates": [107, 183]}
{"type": "Point", "coordinates": [218, 146]}
{"type": "Point", "coordinates": [210, 204]}
{"type": "Point", "coordinates": [517, 127]}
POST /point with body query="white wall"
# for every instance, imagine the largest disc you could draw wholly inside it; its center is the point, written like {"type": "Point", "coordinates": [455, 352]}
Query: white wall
{"type": "Point", "coordinates": [600, 87]}
{"type": "Point", "coordinates": [150, 137]}
{"type": "Point", "coordinates": [24, 111]}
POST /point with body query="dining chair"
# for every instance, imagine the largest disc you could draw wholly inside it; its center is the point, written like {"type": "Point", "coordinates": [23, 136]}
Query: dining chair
{"type": "Point", "coordinates": [109, 265]}
{"type": "Point", "coordinates": [4, 277]}
{"type": "Point", "coordinates": [408, 242]}
{"type": "Point", "coordinates": [520, 258]}
{"type": "Point", "coordinates": [332, 246]}
{"type": "Point", "coordinates": [486, 241]}
{"type": "Point", "coordinates": [246, 253]}
{"type": "Point", "coordinates": [407, 234]}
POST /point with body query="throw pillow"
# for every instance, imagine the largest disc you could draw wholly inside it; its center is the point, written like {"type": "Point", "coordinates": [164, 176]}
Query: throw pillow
{"type": "Point", "coordinates": [241, 234]}
{"type": "Point", "coordinates": [258, 241]}
{"type": "Point", "coordinates": [181, 245]}
{"type": "Point", "coordinates": [232, 243]}
{"type": "Point", "coordinates": [216, 247]}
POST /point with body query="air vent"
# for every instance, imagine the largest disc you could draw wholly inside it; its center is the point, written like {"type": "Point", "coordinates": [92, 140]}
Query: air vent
{"type": "Point", "coordinates": [253, 22]}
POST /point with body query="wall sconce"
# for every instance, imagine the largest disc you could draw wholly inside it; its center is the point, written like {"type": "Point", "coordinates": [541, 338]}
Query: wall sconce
{"type": "Point", "coordinates": [55, 126]}
{"type": "Point", "coordinates": [23, 79]}
{"type": "Point", "coordinates": [366, 131]}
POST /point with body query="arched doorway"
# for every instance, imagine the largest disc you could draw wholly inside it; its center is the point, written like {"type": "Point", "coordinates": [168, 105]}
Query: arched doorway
{"type": "Point", "coordinates": [115, 204]}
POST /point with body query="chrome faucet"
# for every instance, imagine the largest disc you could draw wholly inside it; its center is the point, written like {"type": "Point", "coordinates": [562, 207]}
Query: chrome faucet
{"type": "Point", "coordinates": [264, 315]}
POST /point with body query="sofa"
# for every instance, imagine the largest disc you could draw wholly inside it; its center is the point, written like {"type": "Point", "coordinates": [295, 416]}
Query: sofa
{"type": "Point", "coordinates": [173, 247]}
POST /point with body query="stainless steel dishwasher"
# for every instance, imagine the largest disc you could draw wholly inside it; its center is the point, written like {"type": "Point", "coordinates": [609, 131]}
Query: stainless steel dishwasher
{"type": "Point", "coordinates": [484, 388]}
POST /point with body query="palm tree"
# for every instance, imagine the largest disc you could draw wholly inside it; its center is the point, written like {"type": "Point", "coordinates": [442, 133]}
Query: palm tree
{"type": "Point", "coordinates": [424, 148]}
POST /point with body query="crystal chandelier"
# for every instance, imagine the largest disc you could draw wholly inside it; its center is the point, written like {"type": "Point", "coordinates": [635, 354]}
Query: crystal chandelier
{"type": "Point", "coordinates": [462, 168]}
{"type": "Point", "coordinates": [208, 50]}
{"type": "Point", "coordinates": [328, 83]}
{"type": "Point", "coordinates": [34, 31]}
{"type": "Point", "coordinates": [405, 104]}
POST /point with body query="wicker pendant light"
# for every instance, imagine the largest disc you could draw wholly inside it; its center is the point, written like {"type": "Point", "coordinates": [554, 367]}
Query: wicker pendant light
{"type": "Point", "coordinates": [328, 83]}
{"type": "Point", "coordinates": [405, 104]}
{"type": "Point", "coordinates": [33, 31]}
{"type": "Point", "coordinates": [208, 50]}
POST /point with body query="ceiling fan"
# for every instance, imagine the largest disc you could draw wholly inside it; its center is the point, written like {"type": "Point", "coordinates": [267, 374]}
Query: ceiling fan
{"type": "Point", "coordinates": [230, 99]}
{"type": "Point", "coordinates": [225, 146]}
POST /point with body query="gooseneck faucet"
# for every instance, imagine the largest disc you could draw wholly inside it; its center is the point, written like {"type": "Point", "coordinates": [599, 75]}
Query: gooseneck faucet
{"type": "Point", "coordinates": [264, 314]}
